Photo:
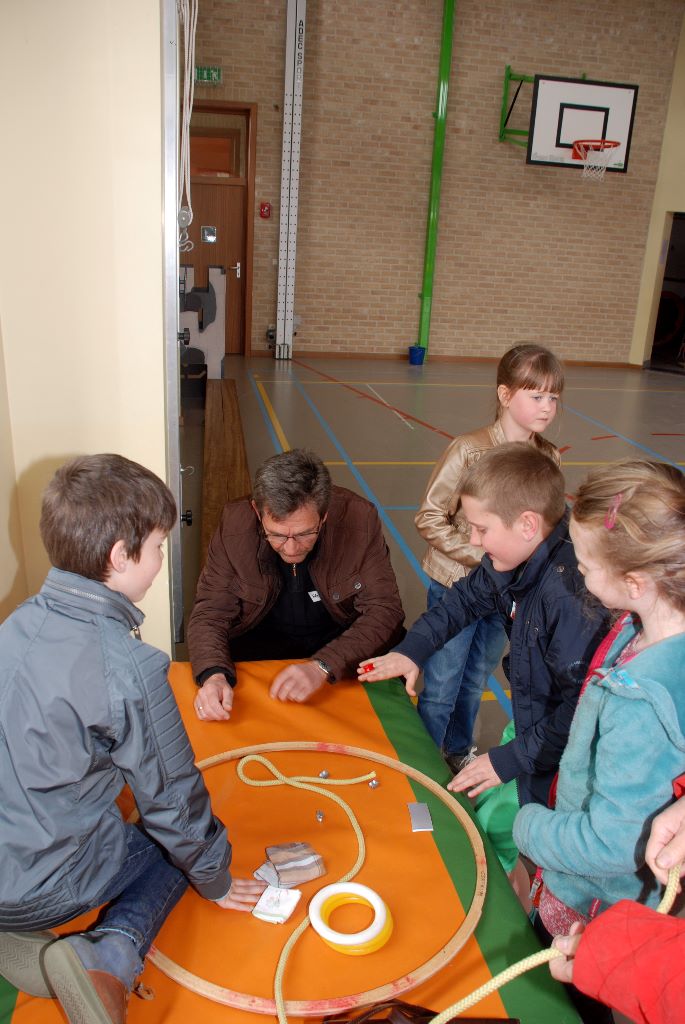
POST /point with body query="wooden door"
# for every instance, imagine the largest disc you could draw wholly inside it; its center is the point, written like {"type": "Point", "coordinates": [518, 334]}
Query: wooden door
{"type": "Point", "coordinates": [219, 207]}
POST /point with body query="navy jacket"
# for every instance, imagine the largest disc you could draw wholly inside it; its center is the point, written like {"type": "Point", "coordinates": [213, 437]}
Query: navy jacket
{"type": "Point", "coordinates": [553, 631]}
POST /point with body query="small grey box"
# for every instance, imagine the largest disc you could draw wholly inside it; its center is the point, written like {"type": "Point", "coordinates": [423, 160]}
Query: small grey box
{"type": "Point", "coordinates": [421, 820]}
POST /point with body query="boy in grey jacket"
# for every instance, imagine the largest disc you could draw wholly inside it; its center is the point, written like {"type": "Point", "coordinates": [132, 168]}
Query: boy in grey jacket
{"type": "Point", "coordinates": [85, 707]}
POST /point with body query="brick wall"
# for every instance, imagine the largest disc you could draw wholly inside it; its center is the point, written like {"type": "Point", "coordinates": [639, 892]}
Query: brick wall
{"type": "Point", "coordinates": [524, 252]}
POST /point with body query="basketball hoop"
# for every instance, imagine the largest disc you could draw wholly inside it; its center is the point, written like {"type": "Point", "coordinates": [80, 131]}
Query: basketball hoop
{"type": "Point", "coordinates": [595, 154]}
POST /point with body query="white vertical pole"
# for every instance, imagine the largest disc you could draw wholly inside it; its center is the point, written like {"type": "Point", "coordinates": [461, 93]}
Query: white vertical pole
{"type": "Point", "coordinates": [290, 175]}
{"type": "Point", "coordinates": [170, 107]}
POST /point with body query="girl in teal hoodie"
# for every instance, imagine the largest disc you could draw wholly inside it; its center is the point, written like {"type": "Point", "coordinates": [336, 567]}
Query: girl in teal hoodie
{"type": "Point", "coordinates": [627, 739]}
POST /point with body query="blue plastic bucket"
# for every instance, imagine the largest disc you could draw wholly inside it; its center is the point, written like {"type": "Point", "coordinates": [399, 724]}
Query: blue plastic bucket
{"type": "Point", "coordinates": [416, 355]}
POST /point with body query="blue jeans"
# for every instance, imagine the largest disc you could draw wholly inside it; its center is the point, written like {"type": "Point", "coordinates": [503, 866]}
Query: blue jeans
{"type": "Point", "coordinates": [137, 898]}
{"type": "Point", "coordinates": [142, 894]}
{"type": "Point", "coordinates": [454, 679]}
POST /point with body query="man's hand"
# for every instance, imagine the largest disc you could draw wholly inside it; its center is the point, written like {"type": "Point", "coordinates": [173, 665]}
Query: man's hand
{"type": "Point", "coordinates": [388, 666]}
{"type": "Point", "coordinates": [562, 967]}
{"type": "Point", "coordinates": [297, 682]}
{"type": "Point", "coordinates": [242, 895]}
{"type": "Point", "coordinates": [666, 844]}
{"type": "Point", "coordinates": [476, 777]}
{"type": "Point", "coordinates": [214, 699]}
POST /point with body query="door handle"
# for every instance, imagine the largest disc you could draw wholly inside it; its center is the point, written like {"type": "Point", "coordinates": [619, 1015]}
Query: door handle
{"type": "Point", "coordinates": [237, 269]}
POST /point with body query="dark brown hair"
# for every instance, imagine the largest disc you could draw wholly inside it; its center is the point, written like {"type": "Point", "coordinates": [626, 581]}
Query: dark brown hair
{"type": "Point", "coordinates": [514, 478]}
{"type": "Point", "coordinates": [92, 502]}
{"type": "Point", "coordinates": [286, 482]}
{"type": "Point", "coordinates": [636, 510]}
{"type": "Point", "coordinates": [529, 368]}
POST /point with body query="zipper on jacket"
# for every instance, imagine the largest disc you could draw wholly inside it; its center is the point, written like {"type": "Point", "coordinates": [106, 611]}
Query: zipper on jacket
{"type": "Point", "coordinates": [97, 597]}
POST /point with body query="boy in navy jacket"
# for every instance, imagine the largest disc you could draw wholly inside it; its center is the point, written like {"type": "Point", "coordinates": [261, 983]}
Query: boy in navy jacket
{"type": "Point", "coordinates": [513, 498]}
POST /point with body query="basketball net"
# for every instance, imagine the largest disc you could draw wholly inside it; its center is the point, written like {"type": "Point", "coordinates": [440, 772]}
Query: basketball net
{"type": "Point", "coordinates": [595, 154]}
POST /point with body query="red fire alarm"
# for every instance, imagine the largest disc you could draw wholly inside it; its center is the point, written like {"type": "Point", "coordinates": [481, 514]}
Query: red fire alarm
{"type": "Point", "coordinates": [265, 210]}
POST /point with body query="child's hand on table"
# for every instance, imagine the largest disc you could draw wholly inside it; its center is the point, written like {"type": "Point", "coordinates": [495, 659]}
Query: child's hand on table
{"type": "Point", "coordinates": [242, 895]}
{"type": "Point", "coordinates": [387, 666]}
{"type": "Point", "coordinates": [478, 776]}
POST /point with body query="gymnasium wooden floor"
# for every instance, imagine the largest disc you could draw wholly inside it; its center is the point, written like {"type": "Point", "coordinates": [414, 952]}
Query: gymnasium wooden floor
{"type": "Point", "coordinates": [380, 425]}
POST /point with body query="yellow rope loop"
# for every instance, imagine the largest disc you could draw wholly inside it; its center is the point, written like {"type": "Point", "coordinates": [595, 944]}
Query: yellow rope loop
{"type": "Point", "coordinates": [314, 784]}
{"type": "Point", "coordinates": [527, 964]}
{"type": "Point", "coordinates": [536, 959]}
{"type": "Point", "coordinates": [291, 780]}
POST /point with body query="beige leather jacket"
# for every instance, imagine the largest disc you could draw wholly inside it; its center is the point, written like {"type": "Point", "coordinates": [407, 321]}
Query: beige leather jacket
{"type": "Point", "coordinates": [440, 521]}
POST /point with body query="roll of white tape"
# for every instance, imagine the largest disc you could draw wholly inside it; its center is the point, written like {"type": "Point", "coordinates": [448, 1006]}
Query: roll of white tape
{"type": "Point", "coordinates": [369, 939]}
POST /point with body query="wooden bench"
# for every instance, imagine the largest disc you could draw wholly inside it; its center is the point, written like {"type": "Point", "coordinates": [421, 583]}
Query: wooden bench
{"type": "Point", "coordinates": [225, 475]}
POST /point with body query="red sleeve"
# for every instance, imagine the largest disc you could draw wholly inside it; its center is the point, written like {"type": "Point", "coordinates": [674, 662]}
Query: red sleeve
{"type": "Point", "coordinates": [679, 786]}
{"type": "Point", "coordinates": [633, 959]}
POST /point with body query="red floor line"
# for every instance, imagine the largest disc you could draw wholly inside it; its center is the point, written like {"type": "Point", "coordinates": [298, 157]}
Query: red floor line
{"type": "Point", "coordinates": [372, 398]}
{"type": "Point", "coordinates": [603, 437]}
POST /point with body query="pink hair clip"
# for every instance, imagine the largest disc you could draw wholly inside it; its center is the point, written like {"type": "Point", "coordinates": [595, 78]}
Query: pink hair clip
{"type": "Point", "coordinates": [612, 511]}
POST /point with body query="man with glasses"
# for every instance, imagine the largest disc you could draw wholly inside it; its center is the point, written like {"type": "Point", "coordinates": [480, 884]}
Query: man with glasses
{"type": "Point", "coordinates": [301, 570]}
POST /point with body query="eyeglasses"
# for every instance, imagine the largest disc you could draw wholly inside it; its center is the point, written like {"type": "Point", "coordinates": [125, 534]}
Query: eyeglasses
{"type": "Point", "coordinates": [277, 540]}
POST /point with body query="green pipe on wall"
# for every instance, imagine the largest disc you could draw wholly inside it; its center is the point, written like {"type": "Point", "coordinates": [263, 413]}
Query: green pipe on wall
{"type": "Point", "coordinates": [440, 115]}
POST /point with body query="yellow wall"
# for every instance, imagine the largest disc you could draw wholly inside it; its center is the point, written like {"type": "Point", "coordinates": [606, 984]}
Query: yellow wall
{"type": "Point", "coordinates": [13, 578]}
{"type": "Point", "coordinates": [81, 259]}
{"type": "Point", "coordinates": [669, 197]}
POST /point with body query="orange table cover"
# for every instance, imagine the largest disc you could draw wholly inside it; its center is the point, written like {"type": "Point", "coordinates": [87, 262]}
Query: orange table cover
{"type": "Point", "coordinates": [426, 878]}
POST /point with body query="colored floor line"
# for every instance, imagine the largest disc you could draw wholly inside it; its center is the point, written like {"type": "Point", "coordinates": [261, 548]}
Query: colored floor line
{"type": "Point", "coordinates": [366, 490]}
{"type": "Point", "coordinates": [431, 462]}
{"type": "Point", "coordinates": [589, 419]}
{"type": "Point", "coordinates": [501, 697]}
{"type": "Point", "coordinates": [628, 440]}
{"type": "Point", "coordinates": [378, 401]}
{"type": "Point", "coordinates": [488, 695]}
{"type": "Point", "coordinates": [339, 381]}
{"type": "Point", "coordinates": [280, 442]}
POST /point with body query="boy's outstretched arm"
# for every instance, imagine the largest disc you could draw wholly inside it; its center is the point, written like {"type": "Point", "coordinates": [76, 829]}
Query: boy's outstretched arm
{"type": "Point", "coordinates": [466, 601]}
{"type": "Point", "coordinates": [388, 666]}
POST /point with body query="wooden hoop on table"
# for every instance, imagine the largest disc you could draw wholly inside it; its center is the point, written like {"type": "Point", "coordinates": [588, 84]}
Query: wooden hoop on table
{"type": "Point", "coordinates": [340, 1004]}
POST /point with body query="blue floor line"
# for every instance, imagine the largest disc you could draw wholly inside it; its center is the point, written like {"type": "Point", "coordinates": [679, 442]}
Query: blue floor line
{"type": "Point", "coordinates": [390, 526]}
{"type": "Point", "coordinates": [501, 696]}
{"type": "Point", "coordinates": [628, 440]}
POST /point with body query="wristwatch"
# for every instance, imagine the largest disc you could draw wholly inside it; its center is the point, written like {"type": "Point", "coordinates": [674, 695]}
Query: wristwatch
{"type": "Point", "coordinates": [326, 669]}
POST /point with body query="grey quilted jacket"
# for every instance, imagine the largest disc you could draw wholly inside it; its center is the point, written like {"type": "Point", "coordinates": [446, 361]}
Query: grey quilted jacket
{"type": "Point", "coordinates": [85, 707]}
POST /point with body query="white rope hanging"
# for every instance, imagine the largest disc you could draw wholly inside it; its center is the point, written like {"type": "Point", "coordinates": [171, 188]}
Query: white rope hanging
{"type": "Point", "coordinates": [187, 12]}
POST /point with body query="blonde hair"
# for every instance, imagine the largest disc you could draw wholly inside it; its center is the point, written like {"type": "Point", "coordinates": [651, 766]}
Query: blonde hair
{"type": "Point", "coordinates": [529, 368]}
{"type": "Point", "coordinates": [515, 478]}
{"type": "Point", "coordinates": [636, 510]}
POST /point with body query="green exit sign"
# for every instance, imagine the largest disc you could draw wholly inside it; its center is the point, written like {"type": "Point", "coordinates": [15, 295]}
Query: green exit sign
{"type": "Point", "coordinates": [211, 76]}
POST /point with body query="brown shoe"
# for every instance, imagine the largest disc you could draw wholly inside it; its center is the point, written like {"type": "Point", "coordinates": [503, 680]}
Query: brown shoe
{"type": "Point", "coordinates": [87, 997]}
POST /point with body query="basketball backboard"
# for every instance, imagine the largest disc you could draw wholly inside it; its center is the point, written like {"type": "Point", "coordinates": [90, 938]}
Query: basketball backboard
{"type": "Point", "coordinates": [567, 109]}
